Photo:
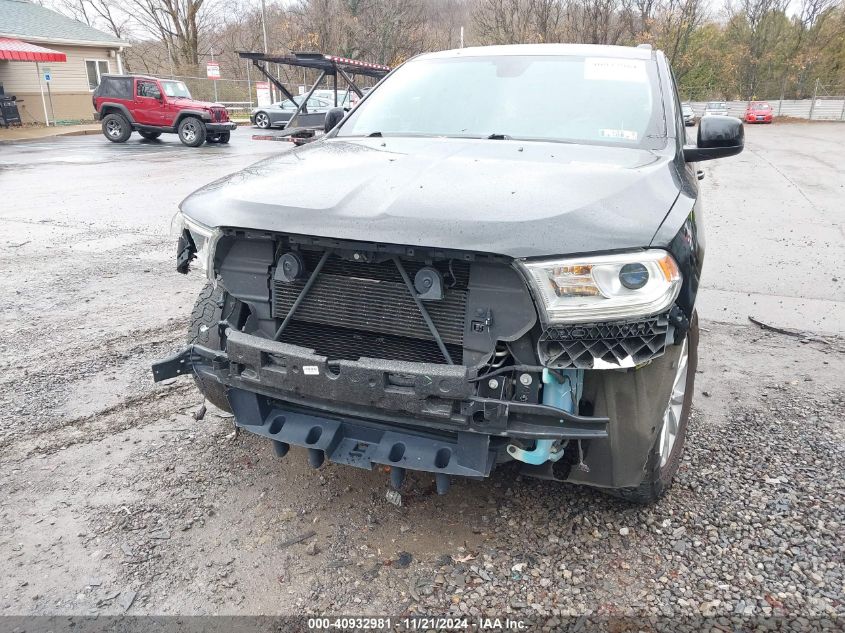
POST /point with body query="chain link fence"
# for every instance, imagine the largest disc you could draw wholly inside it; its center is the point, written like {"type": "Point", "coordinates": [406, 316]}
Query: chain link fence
{"type": "Point", "coordinates": [239, 96]}
{"type": "Point", "coordinates": [826, 103]}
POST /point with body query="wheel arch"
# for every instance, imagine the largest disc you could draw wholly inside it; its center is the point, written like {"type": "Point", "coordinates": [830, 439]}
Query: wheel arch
{"type": "Point", "coordinates": [205, 117]}
{"type": "Point", "coordinates": [116, 108]}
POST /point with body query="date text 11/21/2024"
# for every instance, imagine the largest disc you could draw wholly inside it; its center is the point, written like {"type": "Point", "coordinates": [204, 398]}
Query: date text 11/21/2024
{"type": "Point", "coordinates": [418, 623]}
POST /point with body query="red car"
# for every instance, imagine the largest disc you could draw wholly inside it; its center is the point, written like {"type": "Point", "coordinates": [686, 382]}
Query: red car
{"type": "Point", "coordinates": [758, 112]}
{"type": "Point", "coordinates": [151, 106]}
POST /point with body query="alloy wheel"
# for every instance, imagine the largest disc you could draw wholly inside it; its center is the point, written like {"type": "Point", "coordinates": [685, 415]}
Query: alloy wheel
{"type": "Point", "coordinates": [189, 132]}
{"type": "Point", "coordinates": [672, 415]}
{"type": "Point", "coordinates": [262, 120]}
{"type": "Point", "coordinates": [113, 129]}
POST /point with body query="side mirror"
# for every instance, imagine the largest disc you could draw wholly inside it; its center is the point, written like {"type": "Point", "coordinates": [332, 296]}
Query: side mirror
{"type": "Point", "coordinates": [718, 136]}
{"type": "Point", "coordinates": [333, 117]}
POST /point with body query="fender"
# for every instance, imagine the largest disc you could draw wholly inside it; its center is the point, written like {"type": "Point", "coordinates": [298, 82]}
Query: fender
{"type": "Point", "coordinates": [108, 106]}
{"type": "Point", "coordinates": [200, 114]}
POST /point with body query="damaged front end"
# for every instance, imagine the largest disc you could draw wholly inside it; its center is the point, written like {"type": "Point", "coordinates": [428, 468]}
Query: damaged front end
{"type": "Point", "coordinates": [441, 361]}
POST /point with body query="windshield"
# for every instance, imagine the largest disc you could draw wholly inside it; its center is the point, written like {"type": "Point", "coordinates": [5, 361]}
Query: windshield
{"type": "Point", "coordinates": [716, 104]}
{"type": "Point", "coordinates": [596, 100]}
{"type": "Point", "coordinates": [687, 109]}
{"type": "Point", "coordinates": [175, 89]}
{"type": "Point", "coordinates": [761, 106]}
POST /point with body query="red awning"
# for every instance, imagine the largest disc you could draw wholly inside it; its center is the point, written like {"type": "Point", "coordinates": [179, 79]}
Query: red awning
{"type": "Point", "coordinates": [17, 51]}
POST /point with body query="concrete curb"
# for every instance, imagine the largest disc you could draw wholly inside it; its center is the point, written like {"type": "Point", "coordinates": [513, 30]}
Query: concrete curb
{"type": "Point", "coordinates": [77, 133]}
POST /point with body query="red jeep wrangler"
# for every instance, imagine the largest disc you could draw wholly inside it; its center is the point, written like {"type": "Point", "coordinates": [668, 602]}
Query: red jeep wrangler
{"type": "Point", "coordinates": [151, 106]}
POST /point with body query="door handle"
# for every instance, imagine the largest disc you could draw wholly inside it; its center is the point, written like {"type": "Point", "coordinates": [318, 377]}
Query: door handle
{"type": "Point", "coordinates": [699, 173]}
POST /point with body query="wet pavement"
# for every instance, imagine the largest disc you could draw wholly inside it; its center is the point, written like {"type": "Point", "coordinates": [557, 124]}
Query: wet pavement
{"type": "Point", "coordinates": [775, 229]}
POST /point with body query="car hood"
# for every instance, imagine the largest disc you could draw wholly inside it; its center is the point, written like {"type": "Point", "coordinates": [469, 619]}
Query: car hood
{"type": "Point", "coordinates": [194, 104]}
{"type": "Point", "coordinates": [506, 197]}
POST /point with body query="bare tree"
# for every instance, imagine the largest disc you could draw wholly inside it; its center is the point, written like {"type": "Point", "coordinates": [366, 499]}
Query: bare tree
{"type": "Point", "coordinates": [102, 14]}
{"type": "Point", "coordinates": [518, 21]}
{"type": "Point", "coordinates": [177, 23]}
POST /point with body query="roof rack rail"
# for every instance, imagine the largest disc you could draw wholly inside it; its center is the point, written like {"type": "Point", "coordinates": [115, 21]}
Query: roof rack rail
{"type": "Point", "coordinates": [647, 47]}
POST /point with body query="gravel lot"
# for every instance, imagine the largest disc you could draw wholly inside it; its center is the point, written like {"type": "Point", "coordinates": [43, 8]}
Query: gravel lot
{"type": "Point", "coordinates": [116, 501]}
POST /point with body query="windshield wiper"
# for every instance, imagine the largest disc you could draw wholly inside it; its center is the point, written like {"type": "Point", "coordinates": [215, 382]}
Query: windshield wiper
{"type": "Point", "coordinates": [498, 137]}
{"type": "Point", "coordinates": [374, 134]}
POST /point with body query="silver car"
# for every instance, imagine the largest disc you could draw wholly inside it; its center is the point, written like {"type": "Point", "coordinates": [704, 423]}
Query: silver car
{"type": "Point", "coordinates": [278, 114]}
{"type": "Point", "coordinates": [716, 107]}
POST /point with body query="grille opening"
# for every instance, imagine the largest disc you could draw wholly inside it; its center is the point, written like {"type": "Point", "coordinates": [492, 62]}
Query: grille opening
{"type": "Point", "coordinates": [338, 343]}
{"type": "Point", "coordinates": [357, 309]}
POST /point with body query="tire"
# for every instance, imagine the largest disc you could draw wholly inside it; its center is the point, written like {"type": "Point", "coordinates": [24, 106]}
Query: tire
{"type": "Point", "coordinates": [213, 138]}
{"type": "Point", "coordinates": [204, 331]}
{"type": "Point", "coordinates": [150, 136]}
{"type": "Point", "coordinates": [116, 128]}
{"type": "Point", "coordinates": [262, 120]}
{"type": "Point", "coordinates": [660, 470]}
{"type": "Point", "coordinates": [192, 131]}
{"type": "Point", "coordinates": [224, 137]}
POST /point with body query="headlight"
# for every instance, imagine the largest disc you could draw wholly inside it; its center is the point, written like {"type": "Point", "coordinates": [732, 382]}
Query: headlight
{"type": "Point", "coordinates": [204, 239]}
{"type": "Point", "coordinates": [604, 287]}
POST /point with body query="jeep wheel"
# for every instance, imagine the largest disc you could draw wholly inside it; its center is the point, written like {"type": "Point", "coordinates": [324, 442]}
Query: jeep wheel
{"type": "Point", "coordinates": [204, 330]}
{"type": "Point", "coordinates": [665, 456]}
{"type": "Point", "coordinates": [224, 137]}
{"type": "Point", "coordinates": [116, 128]}
{"type": "Point", "coordinates": [213, 138]}
{"type": "Point", "coordinates": [262, 120]}
{"type": "Point", "coordinates": [150, 136]}
{"type": "Point", "coordinates": [192, 132]}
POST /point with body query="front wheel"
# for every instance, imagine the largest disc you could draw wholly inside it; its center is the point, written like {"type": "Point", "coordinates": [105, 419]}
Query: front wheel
{"type": "Point", "coordinates": [192, 132]}
{"type": "Point", "coordinates": [665, 456]}
{"type": "Point", "coordinates": [224, 137]}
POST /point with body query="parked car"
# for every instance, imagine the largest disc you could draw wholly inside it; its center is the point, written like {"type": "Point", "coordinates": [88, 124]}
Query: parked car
{"type": "Point", "coordinates": [152, 107]}
{"type": "Point", "coordinates": [689, 114]}
{"type": "Point", "coordinates": [344, 97]}
{"type": "Point", "coordinates": [447, 289]}
{"type": "Point", "coordinates": [278, 114]}
{"type": "Point", "coordinates": [758, 112]}
{"type": "Point", "coordinates": [716, 107]}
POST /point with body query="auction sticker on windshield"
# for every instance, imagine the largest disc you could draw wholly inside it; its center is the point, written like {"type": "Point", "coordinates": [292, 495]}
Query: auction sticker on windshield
{"type": "Point", "coordinates": [613, 69]}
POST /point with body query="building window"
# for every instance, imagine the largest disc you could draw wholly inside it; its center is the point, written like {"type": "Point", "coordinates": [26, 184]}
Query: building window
{"type": "Point", "coordinates": [96, 69]}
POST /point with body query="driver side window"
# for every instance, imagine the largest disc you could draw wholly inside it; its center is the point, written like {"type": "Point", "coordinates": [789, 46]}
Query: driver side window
{"type": "Point", "coordinates": [148, 89]}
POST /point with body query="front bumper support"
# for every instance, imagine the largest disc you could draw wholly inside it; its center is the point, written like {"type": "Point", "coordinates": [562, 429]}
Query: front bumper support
{"type": "Point", "coordinates": [416, 416]}
{"type": "Point", "coordinates": [363, 444]}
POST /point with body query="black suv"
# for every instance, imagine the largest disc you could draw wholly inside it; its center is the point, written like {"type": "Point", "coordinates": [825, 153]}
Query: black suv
{"type": "Point", "coordinates": [445, 288]}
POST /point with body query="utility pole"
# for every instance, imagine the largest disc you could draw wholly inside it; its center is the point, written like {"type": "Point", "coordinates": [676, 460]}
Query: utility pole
{"type": "Point", "coordinates": [214, 81]}
{"type": "Point", "coordinates": [264, 30]}
{"type": "Point", "coordinates": [264, 23]}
